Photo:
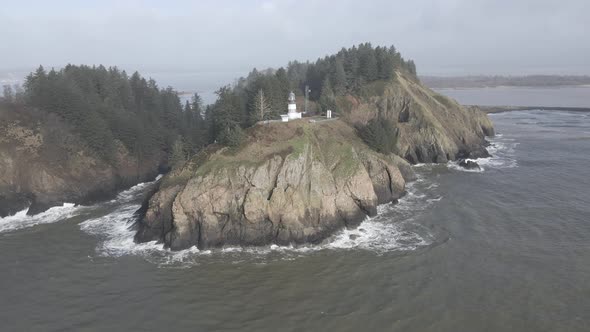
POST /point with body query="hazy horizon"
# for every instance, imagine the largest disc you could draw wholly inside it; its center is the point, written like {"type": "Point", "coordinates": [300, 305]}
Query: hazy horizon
{"type": "Point", "coordinates": [453, 37]}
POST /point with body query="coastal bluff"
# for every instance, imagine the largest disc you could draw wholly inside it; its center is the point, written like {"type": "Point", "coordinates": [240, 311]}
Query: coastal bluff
{"type": "Point", "coordinates": [44, 163]}
{"type": "Point", "coordinates": [301, 181]}
{"type": "Point", "coordinates": [295, 182]}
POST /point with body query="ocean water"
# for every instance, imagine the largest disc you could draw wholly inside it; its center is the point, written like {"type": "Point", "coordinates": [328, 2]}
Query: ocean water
{"type": "Point", "coordinates": [506, 248]}
{"type": "Point", "coordinates": [551, 96]}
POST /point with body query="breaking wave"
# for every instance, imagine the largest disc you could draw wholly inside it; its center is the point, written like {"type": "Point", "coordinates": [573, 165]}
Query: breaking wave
{"type": "Point", "coordinates": [502, 151]}
{"type": "Point", "coordinates": [392, 229]}
{"type": "Point", "coordinates": [21, 220]}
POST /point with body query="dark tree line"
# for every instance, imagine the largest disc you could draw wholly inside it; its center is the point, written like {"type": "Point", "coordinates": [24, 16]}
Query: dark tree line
{"type": "Point", "coordinates": [105, 105]}
{"type": "Point", "coordinates": [380, 134]}
{"type": "Point", "coordinates": [263, 94]}
{"type": "Point", "coordinates": [348, 70]}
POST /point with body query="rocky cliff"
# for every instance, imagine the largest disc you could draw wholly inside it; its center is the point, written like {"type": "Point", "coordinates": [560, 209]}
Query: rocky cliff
{"type": "Point", "coordinates": [290, 182]}
{"type": "Point", "coordinates": [432, 128]}
{"type": "Point", "coordinates": [300, 181]}
{"type": "Point", "coordinates": [43, 164]}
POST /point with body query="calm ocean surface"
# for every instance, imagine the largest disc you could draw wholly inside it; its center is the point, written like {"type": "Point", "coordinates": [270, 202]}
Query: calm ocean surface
{"type": "Point", "coordinates": [561, 96]}
{"type": "Point", "coordinates": [505, 249]}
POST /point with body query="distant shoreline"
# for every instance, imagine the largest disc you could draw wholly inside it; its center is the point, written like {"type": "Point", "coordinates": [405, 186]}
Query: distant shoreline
{"type": "Point", "coordinates": [502, 109]}
{"type": "Point", "coordinates": [511, 87]}
{"type": "Point", "coordinates": [483, 81]}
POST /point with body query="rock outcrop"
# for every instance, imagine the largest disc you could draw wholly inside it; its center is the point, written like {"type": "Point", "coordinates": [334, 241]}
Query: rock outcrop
{"type": "Point", "coordinates": [469, 164]}
{"type": "Point", "coordinates": [43, 164]}
{"type": "Point", "coordinates": [290, 183]}
{"type": "Point", "coordinates": [432, 128]}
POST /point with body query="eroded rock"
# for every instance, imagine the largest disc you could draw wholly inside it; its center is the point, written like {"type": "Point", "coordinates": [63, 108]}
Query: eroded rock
{"type": "Point", "coordinates": [469, 164]}
{"type": "Point", "coordinates": [303, 196]}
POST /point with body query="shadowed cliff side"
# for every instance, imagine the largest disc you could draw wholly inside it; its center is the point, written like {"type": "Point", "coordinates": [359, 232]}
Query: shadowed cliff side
{"type": "Point", "coordinates": [432, 127]}
{"type": "Point", "coordinates": [43, 164]}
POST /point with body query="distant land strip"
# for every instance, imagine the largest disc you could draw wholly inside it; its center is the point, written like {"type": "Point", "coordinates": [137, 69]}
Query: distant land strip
{"type": "Point", "coordinates": [482, 81]}
{"type": "Point", "coordinates": [501, 109]}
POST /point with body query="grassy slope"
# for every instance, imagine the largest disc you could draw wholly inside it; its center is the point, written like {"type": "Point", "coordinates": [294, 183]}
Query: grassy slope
{"type": "Point", "coordinates": [332, 142]}
{"type": "Point", "coordinates": [435, 118]}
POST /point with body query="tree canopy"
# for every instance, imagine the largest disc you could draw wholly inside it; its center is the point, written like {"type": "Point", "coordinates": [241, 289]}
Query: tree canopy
{"type": "Point", "coordinates": [345, 72]}
{"type": "Point", "coordinates": [105, 105]}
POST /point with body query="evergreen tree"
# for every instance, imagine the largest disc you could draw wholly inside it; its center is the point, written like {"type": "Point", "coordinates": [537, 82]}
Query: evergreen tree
{"type": "Point", "coordinates": [282, 82]}
{"type": "Point", "coordinates": [387, 66]}
{"type": "Point", "coordinates": [380, 134]}
{"type": "Point", "coordinates": [199, 130]}
{"type": "Point", "coordinates": [339, 77]}
{"type": "Point", "coordinates": [197, 105]}
{"type": "Point", "coordinates": [105, 106]}
{"type": "Point", "coordinates": [327, 98]}
{"type": "Point", "coordinates": [188, 114]}
{"type": "Point", "coordinates": [227, 118]}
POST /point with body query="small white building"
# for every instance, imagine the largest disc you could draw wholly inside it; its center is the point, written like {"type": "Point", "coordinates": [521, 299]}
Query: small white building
{"type": "Point", "coordinates": [292, 113]}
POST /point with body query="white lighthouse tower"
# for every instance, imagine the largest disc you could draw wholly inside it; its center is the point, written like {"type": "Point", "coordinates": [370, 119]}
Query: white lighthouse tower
{"type": "Point", "coordinates": [292, 108]}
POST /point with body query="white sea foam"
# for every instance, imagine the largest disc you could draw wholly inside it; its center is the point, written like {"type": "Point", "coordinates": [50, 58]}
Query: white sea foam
{"type": "Point", "coordinates": [132, 192]}
{"type": "Point", "coordinates": [423, 165]}
{"type": "Point", "coordinates": [375, 234]}
{"type": "Point", "coordinates": [502, 150]}
{"type": "Point", "coordinates": [116, 234]}
{"type": "Point", "coordinates": [391, 230]}
{"type": "Point", "coordinates": [21, 220]}
{"type": "Point", "coordinates": [379, 234]}
{"type": "Point", "coordinates": [454, 165]}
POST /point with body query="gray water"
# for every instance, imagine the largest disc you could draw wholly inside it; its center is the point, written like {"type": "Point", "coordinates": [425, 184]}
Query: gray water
{"type": "Point", "coordinates": [556, 96]}
{"type": "Point", "coordinates": [505, 249]}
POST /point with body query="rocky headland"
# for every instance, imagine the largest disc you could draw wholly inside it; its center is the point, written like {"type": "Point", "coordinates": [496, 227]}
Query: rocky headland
{"type": "Point", "coordinates": [301, 181]}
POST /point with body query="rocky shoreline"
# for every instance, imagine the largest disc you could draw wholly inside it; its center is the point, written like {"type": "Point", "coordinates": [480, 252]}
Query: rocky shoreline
{"type": "Point", "coordinates": [288, 183]}
{"type": "Point", "coordinates": [11, 203]}
{"type": "Point", "coordinates": [288, 197]}
{"type": "Point", "coordinates": [43, 164]}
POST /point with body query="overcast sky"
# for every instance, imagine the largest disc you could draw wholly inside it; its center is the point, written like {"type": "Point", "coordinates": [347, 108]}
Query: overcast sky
{"type": "Point", "coordinates": [449, 37]}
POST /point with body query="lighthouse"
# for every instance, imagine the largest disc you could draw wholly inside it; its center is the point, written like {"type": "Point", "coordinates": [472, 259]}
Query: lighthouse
{"type": "Point", "coordinates": [292, 113]}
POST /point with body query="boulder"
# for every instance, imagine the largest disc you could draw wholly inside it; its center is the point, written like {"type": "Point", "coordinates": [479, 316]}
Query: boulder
{"type": "Point", "coordinates": [469, 164]}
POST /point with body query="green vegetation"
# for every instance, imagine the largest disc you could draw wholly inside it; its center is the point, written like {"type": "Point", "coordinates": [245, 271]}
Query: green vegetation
{"type": "Point", "coordinates": [106, 106]}
{"type": "Point", "coordinates": [360, 70]}
{"type": "Point", "coordinates": [380, 134]}
{"type": "Point", "coordinates": [443, 100]}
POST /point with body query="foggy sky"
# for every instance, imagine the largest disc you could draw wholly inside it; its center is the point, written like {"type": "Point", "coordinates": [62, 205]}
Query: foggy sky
{"type": "Point", "coordinates": [450, 37]}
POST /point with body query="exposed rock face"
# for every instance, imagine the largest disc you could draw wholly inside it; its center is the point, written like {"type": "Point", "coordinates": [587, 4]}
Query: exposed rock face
{"type": "Point", "coordinates": [432, 127]}
{"type": "Point", "coordinates": [469, 164]}
{"type": "Point", "coordinates": [311, 180]}
{"type": "Point", "coordinates": [43, 164]}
